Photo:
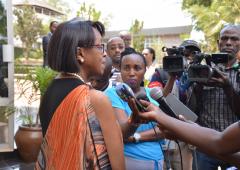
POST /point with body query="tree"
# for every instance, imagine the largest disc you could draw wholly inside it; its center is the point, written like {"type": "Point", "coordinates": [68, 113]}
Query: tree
{"type": "Point", "coordinates": [3, 22]}
{"type": "Point", "coordinates": [210, 16]}
{"type": "Point", "coordinates": [28, 28]}
{"type": "Point", "coordinates": [188, 3]}
{"type": "Point", "coordinates": [89, 12]}
{"type": "Point", "coordinates": [137, 36]}
{"type": "Point", "coordinates": [158, 50]}
{"type": "Point", "coordinates": [61, 5]}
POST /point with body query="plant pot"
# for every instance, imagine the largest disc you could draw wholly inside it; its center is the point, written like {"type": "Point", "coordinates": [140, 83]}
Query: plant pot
{"type": "Point", "coordinates": [28, 141]}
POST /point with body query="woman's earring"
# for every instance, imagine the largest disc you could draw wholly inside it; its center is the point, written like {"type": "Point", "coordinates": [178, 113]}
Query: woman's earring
{"type": "Point", "coordinates": [81, 60]}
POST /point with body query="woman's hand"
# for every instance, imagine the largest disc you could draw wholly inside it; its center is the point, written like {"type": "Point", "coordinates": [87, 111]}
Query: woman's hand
{"type": "Point", "coordinates": [135, 117]}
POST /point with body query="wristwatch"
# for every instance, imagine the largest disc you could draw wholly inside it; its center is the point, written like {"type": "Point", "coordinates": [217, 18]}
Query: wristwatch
{"type": "Point", "coordinates": [136, 137]}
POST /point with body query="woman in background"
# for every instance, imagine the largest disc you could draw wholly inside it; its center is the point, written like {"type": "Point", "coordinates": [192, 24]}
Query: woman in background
{"type": "Point", "coordinates": [150, 56]}
{"type": "Point", "coordinates": [142, 148]}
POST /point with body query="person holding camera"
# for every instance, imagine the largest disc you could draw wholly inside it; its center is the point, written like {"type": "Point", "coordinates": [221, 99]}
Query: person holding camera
{"type": "Point", "coordinates": [217, 101]}
{"type": "Point", "coordinates": [178, 84]}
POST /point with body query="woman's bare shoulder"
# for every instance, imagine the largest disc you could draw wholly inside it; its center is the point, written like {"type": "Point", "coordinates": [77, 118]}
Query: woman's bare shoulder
{"type": "Point", "coordinates": [98, 97]}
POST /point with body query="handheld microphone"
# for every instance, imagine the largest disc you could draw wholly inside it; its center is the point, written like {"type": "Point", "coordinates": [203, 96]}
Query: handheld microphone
{"type": "Point", "coordinates": [171, 105]}
{"type": "Point", "coordinates": [156, 94]}
{"type": "Point", "coordinates": [125, 92]}
{"type": "Point", "coordinates": [142, 96]}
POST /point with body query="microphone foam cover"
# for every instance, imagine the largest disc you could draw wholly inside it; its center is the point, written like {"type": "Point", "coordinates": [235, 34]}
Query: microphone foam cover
{"type": "Point", "coordinates": [156, 93]}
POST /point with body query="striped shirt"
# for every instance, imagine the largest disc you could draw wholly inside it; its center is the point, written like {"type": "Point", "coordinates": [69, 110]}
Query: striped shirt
{"type": "Point", "coordinates": [215, 112]}
{"type": "Point", "coordinates": [115, 78]}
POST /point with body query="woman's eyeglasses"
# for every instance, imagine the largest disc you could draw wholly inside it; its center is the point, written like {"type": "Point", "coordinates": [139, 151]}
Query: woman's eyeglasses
{"type": "Point", "coordinates": [100, 47]}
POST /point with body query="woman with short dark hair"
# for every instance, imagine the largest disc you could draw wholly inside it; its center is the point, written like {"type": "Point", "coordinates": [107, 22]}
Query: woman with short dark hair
{"type": "Point", "coordinates": [142, 145]}
{"type": "Point", "coordinates": [78, 124]}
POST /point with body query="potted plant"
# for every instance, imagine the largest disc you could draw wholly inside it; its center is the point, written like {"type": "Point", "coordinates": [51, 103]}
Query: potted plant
{"type": "Point", "coordinates": [28, 138]}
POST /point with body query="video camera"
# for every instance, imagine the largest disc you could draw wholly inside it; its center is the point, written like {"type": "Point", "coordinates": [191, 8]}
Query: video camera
{"type": "Point", "coordinates": [174, 62]}
{"type": "Point", "coordinates": [198, 72]}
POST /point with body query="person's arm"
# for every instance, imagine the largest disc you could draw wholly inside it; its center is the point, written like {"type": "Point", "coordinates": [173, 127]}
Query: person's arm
{"type": "Point", "coordinates": [127, 127]}
{"type": "Point", "coordinates": [110, 128]}
{"type": "Point", "coordinates": [148, 135]}
{"type": "Point", "coordinates": [206, 139]}
{"type": "Point", "coordinates": [169, 85]}
{"type": "Point", "coordinates": [223, 145]}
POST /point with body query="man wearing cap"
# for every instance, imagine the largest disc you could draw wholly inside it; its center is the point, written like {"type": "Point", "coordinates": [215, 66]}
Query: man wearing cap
{"type": "Point", "coordinates": [191, 46]}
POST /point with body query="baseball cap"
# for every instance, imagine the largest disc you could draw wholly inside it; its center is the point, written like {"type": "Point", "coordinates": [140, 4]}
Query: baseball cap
{"type": "Point", "coordinates": [191, 43]}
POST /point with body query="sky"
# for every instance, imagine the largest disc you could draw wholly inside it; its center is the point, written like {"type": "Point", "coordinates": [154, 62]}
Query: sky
{"type": "Point", "coordinates": [154, 13]}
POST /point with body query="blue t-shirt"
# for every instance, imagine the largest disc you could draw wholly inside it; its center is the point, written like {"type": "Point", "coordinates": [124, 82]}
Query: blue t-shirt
{"type": "Point", "coordinates": [150, 150]}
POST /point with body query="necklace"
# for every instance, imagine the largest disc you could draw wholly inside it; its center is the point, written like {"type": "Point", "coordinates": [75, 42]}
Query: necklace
{"type": "Point", "coordinates": [76, 75]}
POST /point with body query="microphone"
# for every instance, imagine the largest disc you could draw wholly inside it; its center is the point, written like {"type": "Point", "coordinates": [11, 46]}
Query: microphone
{"type": "Point", "coordinates": [142, 96]}
{"type": "Point", "coordinates": [125, 92]}
{"type": "Point", "coordinates": [171, 105]}
{"type": "Point", "coordinates": [156, 94]}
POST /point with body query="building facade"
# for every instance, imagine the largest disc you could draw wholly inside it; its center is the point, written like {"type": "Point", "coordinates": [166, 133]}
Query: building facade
{"type": "Point", "coordinates": [167, 36]}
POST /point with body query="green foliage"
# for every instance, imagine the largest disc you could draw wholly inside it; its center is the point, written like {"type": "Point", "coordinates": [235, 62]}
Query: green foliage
{"type": "Point", "coordinates": [5, 112]}
{"type": "Point", "coordinates": [28, 28]}
{"type": "Point", "coordinates": [188, 3]}
{"type": "Point", "coordinates": [3, 20]}
{"type": "Point", "coordinates": [35, 81]}
{"type": "Point", "coordinates": [44, 76]}
{"type": "Point", "coordinates": [41, 78]}
{"type": "Point", "coordinates": [211, 18]}
{"type": "Point", "coordinates": [36, 53]}
{"type": "Point", "coordinates": [46, 28]}
{"type": "Point", "coordinates": [158, 50]}
{"type": "Point", "coordinates": [89, 12]}
{"type": "Point", "coordinates": [137, 36]}
{"type": "Point", "coordinates": [25, 116]}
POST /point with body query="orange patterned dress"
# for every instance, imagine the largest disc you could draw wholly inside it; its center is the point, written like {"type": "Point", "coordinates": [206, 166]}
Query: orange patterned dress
{"type": "Point", "coordinates": [73, 140]}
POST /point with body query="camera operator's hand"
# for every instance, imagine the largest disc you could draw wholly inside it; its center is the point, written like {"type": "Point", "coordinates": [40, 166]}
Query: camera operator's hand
{"type": "Point", "coordinates": [175, 74]}
{"type": "Point", "coordinates": [219, 79]}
